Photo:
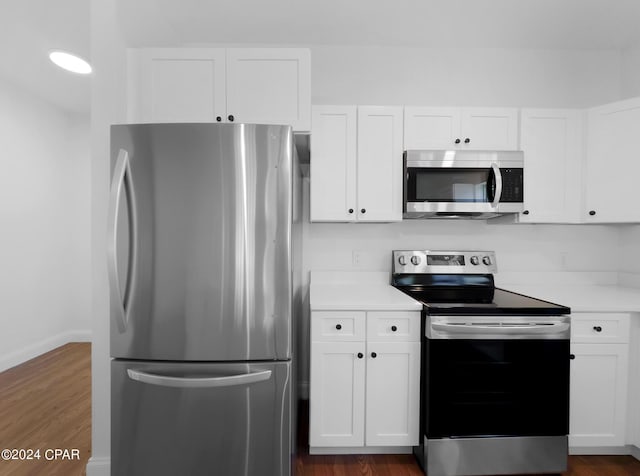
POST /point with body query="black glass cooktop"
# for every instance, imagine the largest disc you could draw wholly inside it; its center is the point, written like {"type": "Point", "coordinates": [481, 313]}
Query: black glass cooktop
{"type": "Point", "coordinates": [471, 294]}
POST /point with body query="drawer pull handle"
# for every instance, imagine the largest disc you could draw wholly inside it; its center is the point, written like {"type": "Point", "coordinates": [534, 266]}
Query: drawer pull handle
{"type": "Point", "coordinates": [572, 356]}
{"type": "Point", "coordinates": [338, 326]}
{"type": "Point", "coordinates": [373, 355]}
{"type": "Point", "coordinates": [360, 355]}
{"type": "Point", "coordinates": [394, 328]}
{"type": "Point", "coordinates": [597, 328]}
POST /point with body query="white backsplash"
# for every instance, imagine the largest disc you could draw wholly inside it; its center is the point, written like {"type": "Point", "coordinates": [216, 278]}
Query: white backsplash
{"type": "Point", "coordinates": [519, 248]}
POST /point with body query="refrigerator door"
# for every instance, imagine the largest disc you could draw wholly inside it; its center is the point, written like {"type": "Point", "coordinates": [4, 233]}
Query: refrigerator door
{"type": "Point", "coordinates": [200, 419]}
{"type": "Point", "coordinates": [200, 242]}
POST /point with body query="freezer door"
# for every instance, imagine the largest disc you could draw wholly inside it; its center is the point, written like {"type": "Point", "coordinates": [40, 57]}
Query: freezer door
{"type": "Point", "coordinates": [200, 242]}
{"type": "Point", "coordinates": [201, 419]}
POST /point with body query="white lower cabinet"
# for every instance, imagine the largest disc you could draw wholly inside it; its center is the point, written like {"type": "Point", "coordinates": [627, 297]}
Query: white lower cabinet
{"type": "Point", "coordinates": [392, 393]}
{"type": "Point", "coordinates": [599, 380]}
{"type": "Point", "coordinates": [336, 398]}
{"type": "Point", "coordinates": [365, 385]}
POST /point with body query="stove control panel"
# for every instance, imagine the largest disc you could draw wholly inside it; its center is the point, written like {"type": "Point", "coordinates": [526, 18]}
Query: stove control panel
{"type": "Point", "coordinates": [443, 262]}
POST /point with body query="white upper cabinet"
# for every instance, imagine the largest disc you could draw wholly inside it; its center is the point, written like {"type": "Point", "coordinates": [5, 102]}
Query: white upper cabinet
{"type": "Point", "coordinates": [552, 141]}
{"type": "Point", "coordinates": [333, 163]}
{"type": "Point", "coordinates": [356, 164]}
{"type": "Point", "coordinates": [177, 84]}
{"type": "Point", "coordinates": [379, 173]}
{"type": "Point", "coordinates": [613, 168]}
{"type": "Point", "coordinates": [455, 128]}
{"type": "Point", "coordinates": [270, 86]}
{"type": "Point", "coordinates": [256, 85]}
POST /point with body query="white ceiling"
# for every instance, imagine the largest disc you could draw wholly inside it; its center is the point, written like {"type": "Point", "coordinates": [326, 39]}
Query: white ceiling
{"type": "Point", "coordinates": [580, 24]}
{"type": "Point", "coordinates": [30, 28]}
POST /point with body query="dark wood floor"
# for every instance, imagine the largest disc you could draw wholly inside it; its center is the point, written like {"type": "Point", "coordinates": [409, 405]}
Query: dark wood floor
{"type": "Point", "coordinates": [46, 403]}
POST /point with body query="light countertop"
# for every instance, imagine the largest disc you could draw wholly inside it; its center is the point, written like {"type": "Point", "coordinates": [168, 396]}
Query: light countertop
{"type": "Point", "coordinates": [364, 291]}
{"type": "Point", "coordinates": [585, 298]}
{"type": "Point", "coordinates": [370, 291]}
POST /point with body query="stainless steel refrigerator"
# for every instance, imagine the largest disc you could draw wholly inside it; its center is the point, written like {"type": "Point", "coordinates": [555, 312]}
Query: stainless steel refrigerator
{"type": "Point", "coordinates": [203, 233]}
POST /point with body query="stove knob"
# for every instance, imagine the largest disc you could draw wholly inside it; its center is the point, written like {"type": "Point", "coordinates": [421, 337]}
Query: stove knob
{"type": "Point", "coordinates": [475, 260]}
{"type": "Point", "coordinates": [415, 260]}
{"type": "Point", "coordinates": [402, 260]}
{"type": "Point", "coordinates": [486, 260]}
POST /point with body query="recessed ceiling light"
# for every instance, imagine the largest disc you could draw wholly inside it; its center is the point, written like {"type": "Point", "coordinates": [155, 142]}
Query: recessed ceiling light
{"type": "Point", "coordinates": [70, 62]}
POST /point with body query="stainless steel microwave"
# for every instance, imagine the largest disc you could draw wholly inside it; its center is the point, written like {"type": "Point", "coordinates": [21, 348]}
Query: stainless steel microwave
{"type": "Point", "coordinates": [462, 183]}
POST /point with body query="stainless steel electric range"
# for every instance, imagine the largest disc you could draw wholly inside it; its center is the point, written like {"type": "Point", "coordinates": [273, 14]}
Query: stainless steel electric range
{"type": "Point", "coordinates": [495, 368]}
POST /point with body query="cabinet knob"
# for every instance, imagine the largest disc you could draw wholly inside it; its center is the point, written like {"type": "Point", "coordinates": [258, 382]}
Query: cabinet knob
{"type": "Point", "coordinates": [526, 212]}
{"type": "Point", "coordinates": [350, 210]}
{"type": "Point", "coordinates": [373, 355]}
{"type": "Point", "coordinates": [467, 140]}
{"type": "Point", "coordinates": [230, 117]}
{"type": "Point", "coordinates": [394, 328]}
{"type": "Point", "coordinates": [457, 141]}
{"type": "Point", "coordinates": [363, 210]}
{"type": "Point", "coordinates": [592, 212]}
{"type": "Point", "coordinates": [597, 328]}
{"type": "Point", "coordinates": [360, 355]}
{"type": "Point", "coordinates": [338, 326]}
{"type": "Point", "coordinates": [218, 118]}
{"type": "Point", "coordinates": [572, 356]}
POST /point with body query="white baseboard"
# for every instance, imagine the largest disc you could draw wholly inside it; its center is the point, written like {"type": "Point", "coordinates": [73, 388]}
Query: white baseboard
{"type": "Point", "coordinates": [99, 466]}
{"type": "Point", "coordinates": [601, 450]}
{"type": "Point", "coordinates": [360, 450]}
{"type": "Point", "coordinates": [38, 348]}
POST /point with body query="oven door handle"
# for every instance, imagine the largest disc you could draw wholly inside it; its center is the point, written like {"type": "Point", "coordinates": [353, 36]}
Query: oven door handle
{"type": "Point", "coordinates": [498, 175]}
{"type": "Point", "coordinates": [547, 328]}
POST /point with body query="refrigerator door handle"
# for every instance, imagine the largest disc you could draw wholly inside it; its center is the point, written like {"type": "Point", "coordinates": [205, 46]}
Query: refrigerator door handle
{"type": "Point", "coordinates": [121, 182]}
{"type": "Point", "coordinates": [198, 382]}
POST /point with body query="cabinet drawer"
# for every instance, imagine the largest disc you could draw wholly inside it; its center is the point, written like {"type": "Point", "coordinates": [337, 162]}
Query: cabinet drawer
{"type": "Point", "coordinates": [600, 328]}
{"type": "Point", "coordinates": [393, 326]}
{"type": "Point", "coordinates": [337, 326]}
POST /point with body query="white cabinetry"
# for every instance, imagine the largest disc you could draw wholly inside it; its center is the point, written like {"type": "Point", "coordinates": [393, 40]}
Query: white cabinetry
{"type": "Point", "coordinates": [365, 375]}
{"type": "Point", "coordinates": [257, 85]}
{"type": "Point", "coordinates": [552, 141]}
{"type": "Point", "coordinates": [455, 128]}
{"type": "Point", "coordinates": [613, 168]}
{"type": "Point", "coordinates": [356, 164]}
{"type": "Point", "coordinates": [599, 378]}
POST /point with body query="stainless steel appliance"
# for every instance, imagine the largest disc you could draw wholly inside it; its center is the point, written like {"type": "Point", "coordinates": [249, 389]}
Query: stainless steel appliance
{"type": "Point", "coordinates": [203, 232]}
{"type": "Point", "coordinates": [462, 183]}
{"type": "Point", "coordinates": [495, 368]}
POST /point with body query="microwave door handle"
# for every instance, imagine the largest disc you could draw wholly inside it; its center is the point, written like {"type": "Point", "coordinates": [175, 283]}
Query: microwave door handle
{"type": "Point", "coordinates": [498, 176]}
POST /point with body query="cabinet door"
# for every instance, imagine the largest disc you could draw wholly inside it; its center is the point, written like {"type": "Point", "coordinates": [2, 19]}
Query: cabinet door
{"type": "Point", "coordinates": [393, 393]}
{"type": "Point", "coordinates": [598, 394]}
{"type": "Point", "coordinates": [379, 164]}
{"type": "Point", "coordinates": [333, 163]}
{"type": "Point", "coordinates": [612, 167]}
{"type": "Point", "coordinates": [269, 86]}
{"type": "Point", "coordinates": [336, 400]}
{"type": "Point", "coordinates": [552, 143]}
{"type": "Point", "coordinates": [489, 128]}
{"type": "Point", "coordinates": [431, 127]}
{"type": "Point", "coordinates": [176, 84]}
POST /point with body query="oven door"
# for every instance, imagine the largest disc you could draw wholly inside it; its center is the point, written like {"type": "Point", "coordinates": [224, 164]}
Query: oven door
{"type": "Point", "coordinates": [479, 387]}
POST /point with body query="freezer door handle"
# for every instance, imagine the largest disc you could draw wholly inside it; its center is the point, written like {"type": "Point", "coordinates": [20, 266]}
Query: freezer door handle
{"type": "Point", "coordinates": [198, 382]}
{"type": "Point", "coordinates": [121, 184]}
